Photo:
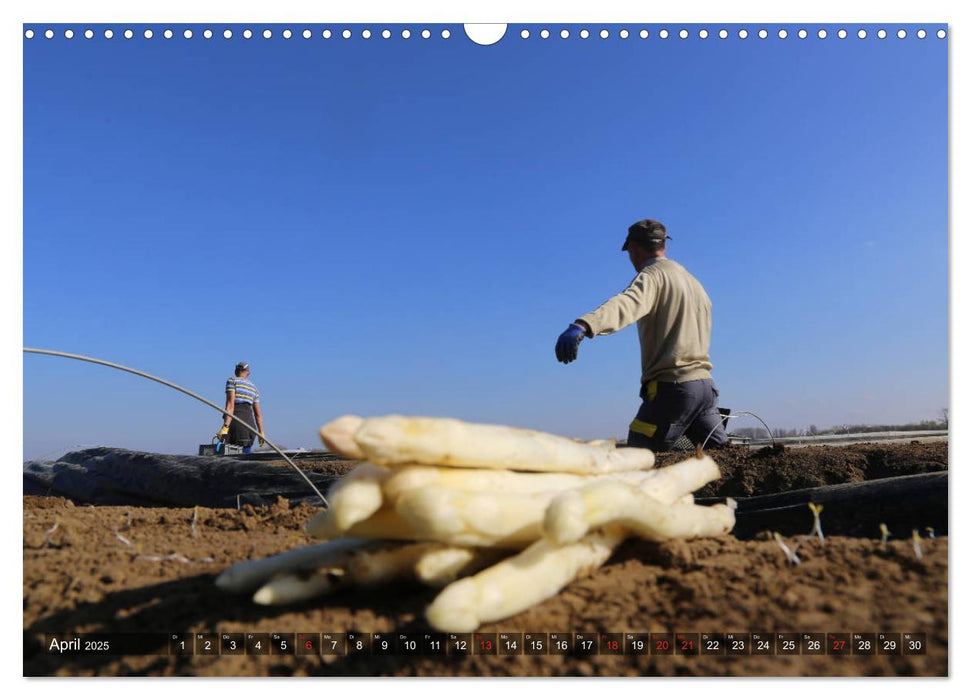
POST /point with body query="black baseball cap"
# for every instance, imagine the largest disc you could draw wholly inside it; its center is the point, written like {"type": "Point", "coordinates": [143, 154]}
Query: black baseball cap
{"type": "Point", "coordinates": [646, 231]}
{"type": "Point", "coordinates": [242, 366]}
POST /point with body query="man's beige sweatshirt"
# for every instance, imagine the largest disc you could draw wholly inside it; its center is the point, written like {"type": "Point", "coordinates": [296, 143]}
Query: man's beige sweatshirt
{"type": "Point", "coordinates": [673, 315]}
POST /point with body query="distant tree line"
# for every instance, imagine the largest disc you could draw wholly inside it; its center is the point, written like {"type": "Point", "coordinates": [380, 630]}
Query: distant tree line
{"type": "Point", "coordinates": [841, 429]}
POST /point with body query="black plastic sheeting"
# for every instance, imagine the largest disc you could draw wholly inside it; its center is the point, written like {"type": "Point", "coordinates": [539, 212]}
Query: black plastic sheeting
{"type": "Point", "coordinates": [110, 476]}
{"type": "Point", "coordinates": [902, 503]}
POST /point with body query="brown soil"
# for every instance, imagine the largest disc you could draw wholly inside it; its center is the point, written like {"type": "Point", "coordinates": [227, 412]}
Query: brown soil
{"type": "Point", "coordinates": [81, 578]}
{"type": "Point", "coordinates": [774, 469]}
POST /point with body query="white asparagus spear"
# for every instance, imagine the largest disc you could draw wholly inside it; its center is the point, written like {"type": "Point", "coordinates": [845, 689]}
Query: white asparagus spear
{"type": "Point", "coordinates": [251, 574]}
{"type": "Point", "coordinates": [496, 480]}
{"type": "Point", "coordinates": [443, 565]}
{"type": "Point", "coordinates": [666, 483]}
{"type": "Point", "coordinates": [519, 582]}
{"type": "Point", "coordinates": [670, 483]}
{"type": "Point", "coordinates": [573, 513]}
{"type": "Point", "coordinates": [294, 587]}
{"type": "Point", "coordinates": [380, 566]}
{"type": "Point", "coordinates": [324, 526]}
{"type": "Point", "coordinates": [465, 516]}
{"type": "Point", "coordinates": [400, 440]}
{"type": "Point", "coordinates": [358, 495]}
{"type": "Point", "coordinates": [338, 436]}
{"type": "Point", "coordinates": [390, 525]}
{"type": "Point", "coordinates": [442, 514]}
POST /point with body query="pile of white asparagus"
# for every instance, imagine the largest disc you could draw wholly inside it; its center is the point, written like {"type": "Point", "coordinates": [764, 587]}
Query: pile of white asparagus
{"type": "Point", "coordinates": [503, 518]}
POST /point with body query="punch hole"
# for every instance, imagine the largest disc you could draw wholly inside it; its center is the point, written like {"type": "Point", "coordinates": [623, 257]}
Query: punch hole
{"type": "Point", "coordinates": [941, 34]}
{"type": "Point", "coordinates": [148, 33]}
{"type": "Point", "coordinates": [29, 34]}
{"type": "Point", "coordinates": [545, 34]}
{"type": "Point", "coordinates": [346, 34]}
{"type": "Point", "coordinates": [624, 33]}
{"type": "Point", "coordinates": [267, 34]}
{"type": "Point", "coordinates": [366, 34]}
{"type": "Point", "coordinates": [921, 34]}
{"type": "Point", "coordinates": [841, 33]}
{"type": "Point", "coordinates": [405, 33]}
{"type": "Point", "coordinates": [803, 33]}
{"type": "Point", "coordinates": [564, 34]}
{"type": "Point", "coordinates": [446, 34]}
{"type": "Point", "coordinates": [167, 33]}
{"type": "Point", "coordinates": [386, 34]}
{"type": "Point", "coordinates": [783, 33]}
{"type": "Point", "coordinates": [109, 34]}
{"type": "Point", "coordinates": [524, 34]}
{"type": "Point", "coordinates": [763, 34]}
{"type": "Point", "coordinates": [861, 33]}
{"type": "Point", "coordinates": [743, 34]}
{"type": "Point", "coordinates": [327, 34]}
{"type": "Point", "coordinates": [247, 34]}
{"type": "Point", "coordinates": [228, 34]}
{"type": "Point", "coordinates": [644, 34]}
{"type": "Point", "coordinates": [425, 34]}
{"type": "Point", "coordinates": [663, 33]}
{"type": "Point", "coordinates": [703, 34]}
{"type": "Point", "coordinates": [882, 34]}
{"type": "Point", "coordinates": [69, 34]}
{"type": "Point", "coordinates": [88, 34]}
{"type": "Point", "coordinates": [129, 33]}
{"type": "Point", "coordinates": [821, 33]}
{"type": "Point", "coordinates": [287, 34]}
{"type": "Point", "coordinates": [604, 34]}
{"type": "Point", "coordinates": [187, 33]}
{"type": "Point", "coordinates": [49, 34]}
{"type": "Point", "coordinates": [723, 34]}
{"type": "Point", "coordinates": [584, 34]}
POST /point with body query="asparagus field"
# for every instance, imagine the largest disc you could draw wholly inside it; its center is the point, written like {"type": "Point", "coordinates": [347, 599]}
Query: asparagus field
{"type": "Point", "coordinates": [126, 569]}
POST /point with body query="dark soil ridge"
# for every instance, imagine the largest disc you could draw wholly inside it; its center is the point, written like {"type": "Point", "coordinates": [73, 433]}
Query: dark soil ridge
{"type": "Point", "coordinates": [777, 469]}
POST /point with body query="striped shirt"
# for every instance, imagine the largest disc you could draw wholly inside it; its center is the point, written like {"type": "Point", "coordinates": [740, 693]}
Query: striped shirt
{"type": "Point", "coordinates": [246, 391]}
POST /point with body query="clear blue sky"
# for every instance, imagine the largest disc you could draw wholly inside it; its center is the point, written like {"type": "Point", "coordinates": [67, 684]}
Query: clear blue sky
{"type": "Point", "coordinates": [405, 226]}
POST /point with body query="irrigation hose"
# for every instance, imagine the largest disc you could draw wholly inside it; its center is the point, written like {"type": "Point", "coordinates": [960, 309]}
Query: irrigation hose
{"type": "Point", "coordinates": [113, 365]}
{"type": "Point", "coordinates": [737, 415]}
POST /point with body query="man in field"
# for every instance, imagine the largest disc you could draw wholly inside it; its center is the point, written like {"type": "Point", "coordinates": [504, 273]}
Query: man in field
{"type": "Point", "coordinates": [673, 315]}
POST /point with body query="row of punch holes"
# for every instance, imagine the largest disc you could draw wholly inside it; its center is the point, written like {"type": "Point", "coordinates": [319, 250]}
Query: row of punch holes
{"type": "Point", "coordinates": [446, 34]}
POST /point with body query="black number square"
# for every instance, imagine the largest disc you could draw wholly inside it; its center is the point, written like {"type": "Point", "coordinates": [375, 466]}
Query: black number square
{"type": "Point", "coordinates": [536, 643]}
{"type": "Point", "coordinates": [485, 644]}
{"type": "Point", "coordinates": [358, 643]}
{"type": "Point", "coordinates": [308, 644]}
{"type": "Point", "coordinates": [738, 644]}
{"type": "Point", "coordinates": [459, 644]}
{"type": "Point", "coordinates": [888, 644]}
{"type": "Point", "coordinates": [232, 643]}
{"type": "Point", "coordinates": [686, 643]}
{"type": "Point", "coordinates": [864, 643]}
{"type": "Point", "coordinates": [207, 644]}
{"type": "Point", "coordinates": [181, 644]}
{"type": "Point", "coordinates": [712, 644]}
{"type": "Point", "coordinates": [257, 643]}
{"type": "Point", "coordinates": [839, 644]}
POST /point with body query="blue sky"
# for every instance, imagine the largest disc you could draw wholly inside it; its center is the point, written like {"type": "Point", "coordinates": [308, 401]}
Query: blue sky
{"type": "Point", "coordinates": [406, 226]}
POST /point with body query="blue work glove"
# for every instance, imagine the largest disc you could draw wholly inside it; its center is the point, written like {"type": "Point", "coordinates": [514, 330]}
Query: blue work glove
{"type": "Point", "coordinates": [568, 342]}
